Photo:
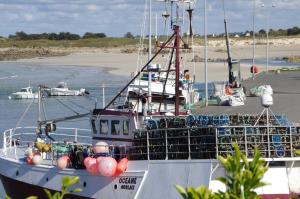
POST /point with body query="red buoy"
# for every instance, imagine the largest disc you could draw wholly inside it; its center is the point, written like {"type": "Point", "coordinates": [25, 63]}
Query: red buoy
{"type": "Point", "coordinates": [254, 69]}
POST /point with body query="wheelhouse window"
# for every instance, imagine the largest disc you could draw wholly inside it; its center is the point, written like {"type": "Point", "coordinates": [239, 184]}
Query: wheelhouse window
{"type": "Point", "coordinates": [125, 127]}
{"type": "Point", "coordinates": [115, 127]}
{"type": "Point", "coordinates": [104, 127]}
{"type": "Point", "coordinates": [93, 126]}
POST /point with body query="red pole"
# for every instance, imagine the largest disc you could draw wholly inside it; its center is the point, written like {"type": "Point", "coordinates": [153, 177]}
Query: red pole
{"type": "Point", "coordinates": [177, 64]}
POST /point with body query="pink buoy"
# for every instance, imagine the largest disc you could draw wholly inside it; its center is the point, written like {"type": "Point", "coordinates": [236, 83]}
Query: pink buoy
{"type": "Point", "coordinates": [99, 159]}
{"type": "Point", "coordinates": [90, 162]}
{"type": "Point", "coordinates": [122, 166]}
{"type": "Point", "coordinates": [37, 159]}
{"type": "Point", "coordinates": [29, 160]}
{"type": "Point", "coordinates": [65, 157]}
{"type": "Point", "coordinates": [86, 160]}
{"type": "Point", "coordinates": [108, 166]}
{"type": "Point", "coordinates": [89, 165]}
{"type": "Point", "coordinates": [62, 162]}
{"type": "Point", "coordinates": [93, 169]}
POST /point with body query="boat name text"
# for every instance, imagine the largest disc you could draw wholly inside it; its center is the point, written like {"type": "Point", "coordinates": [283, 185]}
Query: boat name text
{"type": "Point", "coordinates": [125, 180]}
{"type": "Point", "coordinates": [127, 183]}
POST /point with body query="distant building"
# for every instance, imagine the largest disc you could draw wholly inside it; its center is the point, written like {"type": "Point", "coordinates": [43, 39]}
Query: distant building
{"type": "Point", "coordinates": [236, 36]}
{"type": "Point", "coordinates": [247, 34]}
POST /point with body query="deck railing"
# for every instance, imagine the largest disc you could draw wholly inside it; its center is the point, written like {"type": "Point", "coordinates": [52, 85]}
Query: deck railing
{"type": "Point", "coordinates": [275, 142]}
{"type": "Point", "coordinates": [65, 140]}
{"type": "Point", "coordinates": [23, 137]}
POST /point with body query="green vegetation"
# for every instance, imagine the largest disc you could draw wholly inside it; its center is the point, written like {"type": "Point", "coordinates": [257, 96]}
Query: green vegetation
{"type": "Point", "coordinates": [129, 35]}
{"type": "Point", "coordinates": [100, 40]}
{"type": "Point", "coordinates": [292, 59]}
{"type": "Point", "coordinates": [262, 32]}
{"type": "Point", "coordinates": [67, 183]}
{"type": "Point", "coordinates": [91, 42]}
{"type": "Point", "coordinates": [242, 178]}
{"type": "Point", "coordinates": [66, 40]}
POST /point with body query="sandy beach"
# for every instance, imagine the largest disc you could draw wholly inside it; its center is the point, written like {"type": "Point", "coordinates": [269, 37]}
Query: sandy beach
{"type": "Point", "coordinates": [124, 64]}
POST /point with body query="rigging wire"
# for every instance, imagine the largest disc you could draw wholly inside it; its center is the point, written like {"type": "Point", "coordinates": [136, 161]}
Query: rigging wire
{"type": "Point", "coordinates": [44, 110]}
{"type": "Point", "coordinates": [23, 115]}
{"type": "Point", "coordinates": [78, 105]}
{"type": "Point", "coordinates": [68, 107]}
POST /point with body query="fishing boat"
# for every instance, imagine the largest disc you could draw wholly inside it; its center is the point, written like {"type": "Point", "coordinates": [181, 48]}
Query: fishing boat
{"type": "Point", "coordinates": [162, 149]}
{"type": "Point", "coordinates": [24, 93]}
{"type": "Point", "coordinates": [162, 90]}
{"type": "Point", "coordinates": [62, 90]}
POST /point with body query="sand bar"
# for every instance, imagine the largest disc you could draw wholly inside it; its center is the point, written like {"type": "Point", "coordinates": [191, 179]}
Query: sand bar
{"type": "Point", "coordinates": [118, 63]}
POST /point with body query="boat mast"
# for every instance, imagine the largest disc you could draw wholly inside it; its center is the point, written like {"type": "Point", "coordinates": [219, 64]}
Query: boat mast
{"type": "Point", "coordinates": [229, 59]}
{"type": "Point", "coordinates": [149, 56]}
{"type": "Point", "coordinates": [177, 65]}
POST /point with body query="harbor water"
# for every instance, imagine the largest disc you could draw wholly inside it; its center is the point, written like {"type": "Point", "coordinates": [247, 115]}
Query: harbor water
{"type": "Point", "coordinates": [15, 75]}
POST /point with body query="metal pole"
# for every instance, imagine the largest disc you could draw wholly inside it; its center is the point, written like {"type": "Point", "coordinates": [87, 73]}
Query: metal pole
{"type": "Point", "coordinates": [149, 56]}
{"type": "Point", "coordinates": [267, 54]}
{"type": "Point", "coordinates": [103, 96]}
{"type": "Point", "coordinates": [189, 144]}
{"type": "Point", "coordinates": [267, 32]}
{"type": "Point", "coordinates": [205, 54]}
{"type": "Point", "coordinates": [150, 30]}
{"type": "Point", "coordinates": [166, 143]}
{"type": "Point", "coordinates": [245, 137]}
{"type": "Point", "coordinates": [156, 37]}
{"type": "Point", "coordinates": [39, 104]}
{"type": "Point", "coordinates": [4, 143]}
{"type": "Point", "coordinates": [10, 138]}
{"type": "Point", "coordinates": [177, 65]}
{"type": "Point", "coordinates": [76, 135]}
{"type": "Point", "coordinates": [253, 29]}
{"type": "Point", "coordinates": [268, 133]}
{"type": "Point", "coordinates": [148, 151]}
{"type": "Point", "coordinates": [291, 142]}
{"type": "Point", "coordinates": [217, 141]}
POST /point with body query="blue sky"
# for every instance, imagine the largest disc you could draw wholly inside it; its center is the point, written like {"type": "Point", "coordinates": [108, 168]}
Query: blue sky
{"type": "Point", "coordinates": [116, 17]}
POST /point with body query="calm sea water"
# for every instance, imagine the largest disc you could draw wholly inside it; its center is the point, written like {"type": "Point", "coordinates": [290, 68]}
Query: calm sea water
{"type": "Point", "coordinates": [21, 75]}
{"type": "Point", "coordinates": [14, 76]}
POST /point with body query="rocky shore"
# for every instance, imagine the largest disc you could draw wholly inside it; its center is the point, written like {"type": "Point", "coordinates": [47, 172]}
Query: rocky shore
{"type": "Point", "coordinates": [9, 54]}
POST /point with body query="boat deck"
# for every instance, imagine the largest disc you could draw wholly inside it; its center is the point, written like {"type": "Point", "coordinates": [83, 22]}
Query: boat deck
{"type": "Point", "coordinates": [286, 89]}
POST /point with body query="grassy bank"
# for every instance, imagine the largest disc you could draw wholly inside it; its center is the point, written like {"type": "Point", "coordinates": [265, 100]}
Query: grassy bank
{"type": "Point", "coordinates": [95, 43]}
{"type": "Point", "coordinates": [121, 42]}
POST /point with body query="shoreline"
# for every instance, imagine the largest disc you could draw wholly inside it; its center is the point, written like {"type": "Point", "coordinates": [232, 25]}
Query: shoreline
{"type": "Point", "coordinates": [116, 62]}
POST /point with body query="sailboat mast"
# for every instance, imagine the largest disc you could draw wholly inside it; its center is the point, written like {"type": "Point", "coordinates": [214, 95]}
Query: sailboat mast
{"type": "Point", "coordinates": [205, 54]}
{"type": "Point", "coordinates": [177, 69]}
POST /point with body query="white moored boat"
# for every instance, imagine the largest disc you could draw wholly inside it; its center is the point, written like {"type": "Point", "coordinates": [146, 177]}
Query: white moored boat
{"type": "Point", "coordinates": [63, 90]}
{"type": "Point", "coordinates": [24, 93]}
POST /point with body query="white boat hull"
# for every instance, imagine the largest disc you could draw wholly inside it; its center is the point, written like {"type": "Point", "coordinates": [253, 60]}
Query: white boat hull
{"type": "Point", "coordinates": [24, 96]}
{"type": "Point", "coordinates": [143, 179]}
{"type": "Point", "coordinates": [64, 92]}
